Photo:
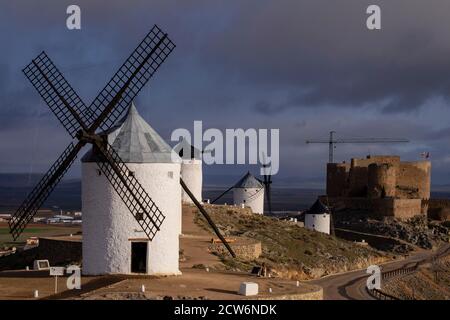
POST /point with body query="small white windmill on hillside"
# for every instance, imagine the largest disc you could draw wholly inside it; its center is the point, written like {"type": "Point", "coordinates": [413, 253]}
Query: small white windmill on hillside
{"type": "Point", "coordinates": [318, 217]}
{"type": "Point", "coordinates": [249, 191]}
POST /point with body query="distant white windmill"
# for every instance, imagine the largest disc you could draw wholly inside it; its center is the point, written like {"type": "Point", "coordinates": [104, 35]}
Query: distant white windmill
{"type": "Point", "coordinates": [249, 192]}
{"type": "Point", "coordinates": [191, 169]}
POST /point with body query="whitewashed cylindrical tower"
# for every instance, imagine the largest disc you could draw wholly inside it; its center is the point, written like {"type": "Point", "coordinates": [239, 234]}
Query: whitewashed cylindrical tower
{"type": "Point", "coordinates": [249, 191]}
{"type": "Point", "coordinates": [113, 241]}
{"type": "Point", "coordinates": [191, 170]}
{"type": "Point", "coordinates": [318, 218]}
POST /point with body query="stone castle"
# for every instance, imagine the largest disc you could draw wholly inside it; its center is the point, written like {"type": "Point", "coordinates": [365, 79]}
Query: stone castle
{"type": "Point", "coordinates": [383, 185]}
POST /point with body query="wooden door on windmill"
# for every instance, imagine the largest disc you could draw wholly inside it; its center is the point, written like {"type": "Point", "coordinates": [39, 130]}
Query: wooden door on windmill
{"type": "Point", "coordinates": [139, 257]}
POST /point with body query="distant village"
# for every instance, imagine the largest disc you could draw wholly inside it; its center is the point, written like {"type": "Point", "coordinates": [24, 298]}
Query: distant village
{"type": "Point", "coordinates": [49, 217]}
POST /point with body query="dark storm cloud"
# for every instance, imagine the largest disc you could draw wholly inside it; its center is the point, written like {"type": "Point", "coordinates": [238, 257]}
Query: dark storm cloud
{"type": "Point", "coordinates": [307, 63]}
{"type": "Point", "coordinates": [320, 53]}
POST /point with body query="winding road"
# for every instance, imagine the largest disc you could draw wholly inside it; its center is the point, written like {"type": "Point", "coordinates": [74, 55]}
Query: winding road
{"type": "Point", "coordinates": [351, 285]}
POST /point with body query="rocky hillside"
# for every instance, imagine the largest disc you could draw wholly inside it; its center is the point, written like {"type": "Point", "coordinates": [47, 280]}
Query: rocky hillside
{"type": "Point", "coordinates": [432, 282]}
{"type": "Point", "coordinates": [287, 249]}
{"type": "Point", "coordinates": [418, 231]}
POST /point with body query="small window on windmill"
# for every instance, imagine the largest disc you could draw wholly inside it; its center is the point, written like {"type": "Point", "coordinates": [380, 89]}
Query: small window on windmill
{"type": "Point", "coordinates": [131, 173]}
{"type": "Point", "coordinates": [170, 174]}
{"type": "Point", "coordinates": [99, 172]}
{"type": "Point", "coordinates": [245, 201]}
{"type": "Point", "coordinates": [140, 216]}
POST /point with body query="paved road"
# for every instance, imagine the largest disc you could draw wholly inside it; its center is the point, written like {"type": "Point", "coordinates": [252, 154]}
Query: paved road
{"type": "Point", "coordinates": [351, 285]}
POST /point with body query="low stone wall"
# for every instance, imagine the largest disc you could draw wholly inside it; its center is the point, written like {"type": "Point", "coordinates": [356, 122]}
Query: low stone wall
{"type": "Point", "coordinates": [439, 209]}
{"type": "Point", "coordinates": [60, 251]}
{"type": "Point", "coordinates": [375, 241]}
{"type": "Point", "coordinates": [398, 208]}
{"type": "Point", "coordinates": [316, 294]}
{"type": "Point", "coordinates": [247, 250]}
{"type": "Point", "coordinates": [57, 252]}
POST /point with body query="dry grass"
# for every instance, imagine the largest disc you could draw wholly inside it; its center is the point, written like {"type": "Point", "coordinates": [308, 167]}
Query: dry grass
{"type": "Point", "coordinates": [288, 249]}
{"type": "Point", "coordinates": [424, 284]}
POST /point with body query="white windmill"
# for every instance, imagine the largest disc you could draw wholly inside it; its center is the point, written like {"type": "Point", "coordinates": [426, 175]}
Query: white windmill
{"type": "Point", "coordinates": [249, 192]}
{"type": "Point", "coordinates": [113, 241]}
{"type": "Point", "coordinates": [131, 182]}
{"type": "Point", "coordinates": [318, 218]}
{"type": "Point", "coordinates": [191, 169]}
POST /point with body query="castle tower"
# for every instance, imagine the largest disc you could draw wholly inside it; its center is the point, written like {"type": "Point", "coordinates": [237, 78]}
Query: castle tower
{"type": "Point", "coordinates": [113, 241]}
{"type": "Point", "coordinates": [382, 180]}
{"type": "Point", "coordinates": [191, 170]}
{"type": "Point", "coordinates": [249, 191]}
{"type": "Point", "coordinates": [318, 218]}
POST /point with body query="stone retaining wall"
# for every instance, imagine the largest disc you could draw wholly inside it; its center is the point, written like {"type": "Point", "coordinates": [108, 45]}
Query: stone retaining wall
{"type": "Point", "coordinates": [249, 250]}
{"type": "Point", "coordinates": [57, 252]}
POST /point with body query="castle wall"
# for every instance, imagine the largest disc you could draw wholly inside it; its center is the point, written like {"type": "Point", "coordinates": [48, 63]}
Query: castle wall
{"type": "Point", "coordinates": [337, 175]}
{"type": "Point", "coordinates": [413, 179]}
{"type": "Point", "coordinates": [394, 160]}
{"type": "Point", "coordinates": [357, 180]}
{"type": "Point", "coordinates": [439, 209]}
{"type": "Point", "coordinates": [382, 207]}
{"type": "Point", "coordinates": [398, 208]}
{"type": "Point", "coordinates": [382, 180]}
{"type": "Point", "coordinates": [378, 177]}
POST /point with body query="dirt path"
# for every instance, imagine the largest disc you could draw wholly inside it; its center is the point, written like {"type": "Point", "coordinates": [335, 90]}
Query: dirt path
{"type": "Point", "coordinates": [21, 284]}
{"type": "Point", "coordinates": [199, 284]}
{"type": "Point", "coordinates": [195, 241]}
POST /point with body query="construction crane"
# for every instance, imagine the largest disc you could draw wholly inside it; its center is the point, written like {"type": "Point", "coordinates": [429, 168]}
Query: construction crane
{"type": "Point", "coordinates": [332, 142]}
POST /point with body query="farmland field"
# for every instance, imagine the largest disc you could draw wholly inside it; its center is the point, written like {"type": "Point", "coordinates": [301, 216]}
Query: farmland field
{"type": "Point", "coordinates": [35, 230]}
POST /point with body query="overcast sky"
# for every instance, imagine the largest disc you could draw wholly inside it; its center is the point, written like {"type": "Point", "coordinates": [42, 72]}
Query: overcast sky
{"type": "Point", "coordinates": [305, 67]}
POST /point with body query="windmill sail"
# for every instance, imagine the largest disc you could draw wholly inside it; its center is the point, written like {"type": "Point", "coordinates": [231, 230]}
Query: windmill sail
{"type": "Point", "coordinates": [42, 190]}
{"type": "Point", "coordinates": [82, 122]}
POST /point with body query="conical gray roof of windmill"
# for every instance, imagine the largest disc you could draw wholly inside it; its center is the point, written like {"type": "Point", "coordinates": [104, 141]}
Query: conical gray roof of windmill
{"type": "Point", "coordinates": [318, 208]}
{"type": "Point", "coordinates": [248, 181]}
{"type": "Point", "coordinates": [136, 141]}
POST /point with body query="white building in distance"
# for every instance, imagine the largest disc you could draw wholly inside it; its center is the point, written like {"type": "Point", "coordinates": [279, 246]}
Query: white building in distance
{"type": "Point", "coordinates": [318, 218]}
{"type": "Point", "coordinates": [113, 241]}
{"type": "Point", "coordinates": [191, 170]}
{"type": "Point", "coordinates": [249, 192]}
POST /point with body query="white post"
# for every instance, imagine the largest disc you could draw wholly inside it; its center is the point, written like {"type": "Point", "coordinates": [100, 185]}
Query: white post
{"type": "Point", "coordinates": [36, 293]}
{"type": "Point", "coordinates": [143, 289]}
